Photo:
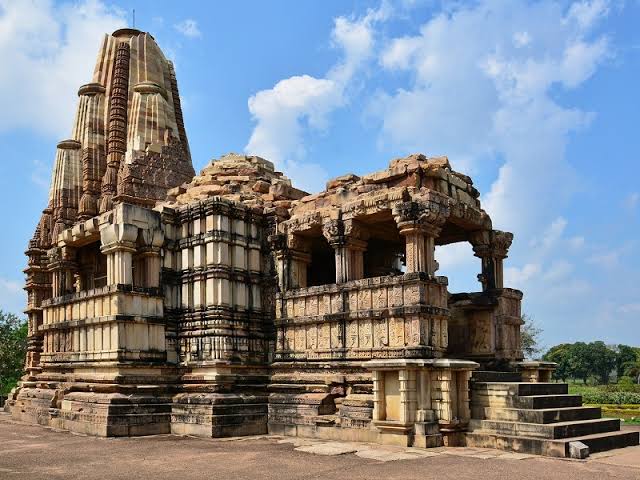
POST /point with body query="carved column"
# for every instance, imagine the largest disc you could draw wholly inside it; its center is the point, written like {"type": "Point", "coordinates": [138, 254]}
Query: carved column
{"type": "Point", "coordinates": [421, 223]}
{"type": "Point", "coordinates": [292, 260]}
{"type": "Point", "coordinates": [348, 240]}
{"type": "Point", "coordinates": [150, 253]}
{"type": "Point", "coordinates": [118, 244]}
{"type": "Point", "coordinates": [63, 268]}
{"type": "Point", "coordinates": [379, 408]}
{"type": "Point", "coordinates": [408, 403]}
{"type": "Point", "coordinates": [491, 246]}
{"type": "Point", "coordinates": [299, 260]}
{"type": "Point", "coordinates": [278, 245]}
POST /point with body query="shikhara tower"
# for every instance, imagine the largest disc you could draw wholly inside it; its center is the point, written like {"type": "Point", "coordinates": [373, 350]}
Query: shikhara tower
{"type": "Point", "coordinates": [232, 303]}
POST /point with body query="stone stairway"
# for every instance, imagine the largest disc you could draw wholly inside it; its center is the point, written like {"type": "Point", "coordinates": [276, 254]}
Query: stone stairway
{"type": "Point", "coordinates": [540, 418]}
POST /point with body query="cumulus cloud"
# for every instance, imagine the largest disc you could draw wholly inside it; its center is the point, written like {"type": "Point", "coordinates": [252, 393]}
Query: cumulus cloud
{"type": "Point", "coordinates": [188, 28]}
{"type": "Point", "coordinates": [299, 104]}
{"type": "Point", "coordinates": [476, 92]}
{"type": "Point", "coordinates": [47, 50]}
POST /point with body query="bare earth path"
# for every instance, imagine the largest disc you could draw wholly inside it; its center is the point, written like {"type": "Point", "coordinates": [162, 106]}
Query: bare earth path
{"type": "Point", "coordinates": [32, 452]}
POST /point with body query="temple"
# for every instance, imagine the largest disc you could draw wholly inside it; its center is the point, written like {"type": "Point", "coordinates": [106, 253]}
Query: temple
{"type": "Point", "coordinates": [232, 303]}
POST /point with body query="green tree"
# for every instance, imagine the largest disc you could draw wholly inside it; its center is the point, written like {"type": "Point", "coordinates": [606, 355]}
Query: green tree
{"type": "Point", "coordinates": [602, 360]}
{"type": "Point", "coordinates": [13, 348]}
{"type": "Point", "coordinates": [580, 361]}
{"type": "Point", "coordinates": [530, 337]}
{"type": "Point", "coordinates": [560, 354]}
{"type": "Point", "coordinates": [583, 360]}
{"type": "Point", "coordinates": [625, 355]}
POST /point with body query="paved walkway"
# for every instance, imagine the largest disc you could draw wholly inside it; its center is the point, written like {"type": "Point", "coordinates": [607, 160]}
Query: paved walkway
{"type": "Point", "coordinates": [32, 452]}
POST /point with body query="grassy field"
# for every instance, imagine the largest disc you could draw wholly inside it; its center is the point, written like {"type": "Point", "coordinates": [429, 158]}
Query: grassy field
{"type": "Point", "coordinates": [614, 402]}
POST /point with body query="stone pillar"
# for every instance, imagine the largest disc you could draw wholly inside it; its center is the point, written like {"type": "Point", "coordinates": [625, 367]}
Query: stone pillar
{"type": "Point", "coordinates": [491, 246]}
{"type": "Point", "coordinates": [379, 407]}
{"type": "Point", "coordinates": [425, 410]}
{"type": "Point", "coordinates": [118, 244]}
{"type": "Point", "coordinates": [348, 240]}
{"type": "Point", "coordinates": [421, 223]}
{"type": "Point", "coordinates": [153, 239]}
{"type": "Point", "coordinates": [63, 268]}
{"type": "Point", "coordinates": [299, 260]}
{"type": "Point", "coordinates": [292, 260]}
{"type": "Point", "coordinates": [408, 401]}
{"type": "Point", "coordinates": [464, 410]}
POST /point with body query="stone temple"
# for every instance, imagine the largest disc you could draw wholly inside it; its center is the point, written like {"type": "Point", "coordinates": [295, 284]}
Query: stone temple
{"type": "Point", "coordinates": [232, 303]}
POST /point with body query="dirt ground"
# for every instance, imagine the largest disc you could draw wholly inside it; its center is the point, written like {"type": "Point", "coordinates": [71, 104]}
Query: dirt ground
{"type": "Point", "coordinates": [33, 452]}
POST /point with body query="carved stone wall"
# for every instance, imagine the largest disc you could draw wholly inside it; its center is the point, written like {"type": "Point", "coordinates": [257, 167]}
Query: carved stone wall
{"type": "Point", "coordinates": [402, 316]}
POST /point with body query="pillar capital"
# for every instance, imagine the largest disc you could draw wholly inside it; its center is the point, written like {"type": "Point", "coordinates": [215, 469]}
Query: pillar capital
{"type": "Point", "coordinates": [345, 233]}
{"type": "Point", "coordinates": [491, 246]}
{"type": "Point", "coordinates": [425, 217]}
{"type": "Point", "coordinates": [349, 240]}
{"type": "Point", "coordinates": [491, 243]}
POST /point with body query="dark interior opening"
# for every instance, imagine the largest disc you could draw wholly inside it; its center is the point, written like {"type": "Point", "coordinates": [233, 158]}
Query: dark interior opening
{"type": "Point", "coordinates": [93, 266]}
{"type": "Point", "coordinates": [385, 254]}
{"type": "Point", "coordinates": [322, 269]}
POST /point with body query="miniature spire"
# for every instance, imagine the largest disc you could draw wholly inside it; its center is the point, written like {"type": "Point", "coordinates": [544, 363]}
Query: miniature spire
{"type": "Point", "coordinates": [117, 144]}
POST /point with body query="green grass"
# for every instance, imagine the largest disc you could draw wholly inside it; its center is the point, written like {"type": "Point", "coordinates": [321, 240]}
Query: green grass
{"type": "Point", "coordinates": [606, 394]}
{"type": "Point", "coordinates": [615, 401]}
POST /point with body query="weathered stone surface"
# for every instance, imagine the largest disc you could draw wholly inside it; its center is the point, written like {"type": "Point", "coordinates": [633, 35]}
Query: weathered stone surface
{"type": "Point", "coordinates": [232, 303]}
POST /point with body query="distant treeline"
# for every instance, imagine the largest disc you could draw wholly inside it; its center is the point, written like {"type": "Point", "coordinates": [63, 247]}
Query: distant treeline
{"type": "Point", "coordinates": [582, 361]}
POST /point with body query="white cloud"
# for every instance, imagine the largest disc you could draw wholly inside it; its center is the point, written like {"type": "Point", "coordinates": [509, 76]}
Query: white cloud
{"type": "Point", "coordinates": [300, 104]}
{"type": "Point", "coordinates": [47, 50]}
{"type": "Point", "coordinates": [476, 93]}
{"type": "Point", "coordinates": [515, 277]}
{"type": "Point", "coordinates": [188, 28]}
{"type": "Point", "coordinates": [552, 234]}
{"type": "Point", "coordinates": [521, 39]}
{"type": "Point", "coordinates": [587, 13]}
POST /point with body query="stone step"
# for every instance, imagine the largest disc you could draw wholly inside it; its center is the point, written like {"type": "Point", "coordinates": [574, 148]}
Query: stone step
{"type": "Point", "coordinates": [543, 415]}
{"type": "Point", "coordinates": [548, 430]}
{"type": "Point", "coordinates": [555, 448]}
{"type": "Point", "coordinates": [489, 376]}
{"type": "Point", "coordinates": [547, 401]}
{"type": "Point", "coordinates": [520, 388]}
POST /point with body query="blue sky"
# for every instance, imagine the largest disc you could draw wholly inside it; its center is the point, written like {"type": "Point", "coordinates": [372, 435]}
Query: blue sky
{"type": "Point", "coordinates": [537, 101]}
